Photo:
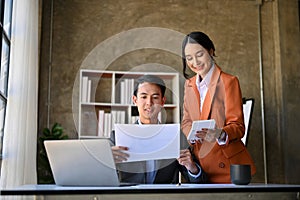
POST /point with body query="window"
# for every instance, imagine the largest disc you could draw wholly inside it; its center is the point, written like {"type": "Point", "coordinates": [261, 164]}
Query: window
{"type": "Point", "coordinates": [5, 28]}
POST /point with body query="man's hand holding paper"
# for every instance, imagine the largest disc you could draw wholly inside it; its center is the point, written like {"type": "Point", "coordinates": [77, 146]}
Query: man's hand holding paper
{"type": "Point", "coordinates": [119, 153]}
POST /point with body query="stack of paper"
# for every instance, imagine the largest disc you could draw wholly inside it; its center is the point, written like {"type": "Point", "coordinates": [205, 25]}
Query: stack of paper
{"type": "Point", "coordinates": [149, 142]}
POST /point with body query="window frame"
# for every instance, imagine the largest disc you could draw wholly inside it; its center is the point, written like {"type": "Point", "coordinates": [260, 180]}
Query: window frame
{"type": "Point", "coordinates": [5, 16]}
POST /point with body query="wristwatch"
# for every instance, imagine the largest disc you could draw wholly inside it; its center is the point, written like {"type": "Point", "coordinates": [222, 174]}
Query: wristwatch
{"type": "Point", "coordinates": [222, 135]}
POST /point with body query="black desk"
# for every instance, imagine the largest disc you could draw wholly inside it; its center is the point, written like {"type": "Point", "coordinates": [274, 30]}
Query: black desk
{"type": "Point", "coordinates": [159, 191]}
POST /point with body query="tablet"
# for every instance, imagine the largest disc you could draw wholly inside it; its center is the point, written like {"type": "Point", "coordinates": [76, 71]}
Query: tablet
{"type": "Point", "coordinates": [199, 125]}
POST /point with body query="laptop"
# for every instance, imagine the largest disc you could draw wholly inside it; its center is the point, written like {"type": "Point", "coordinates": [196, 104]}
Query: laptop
{"type": "Point", "coordinates": [82, 162]}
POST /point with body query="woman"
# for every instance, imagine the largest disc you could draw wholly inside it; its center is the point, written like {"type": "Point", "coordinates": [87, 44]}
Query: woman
{"type": "Point", "coordinates": [213, 94]}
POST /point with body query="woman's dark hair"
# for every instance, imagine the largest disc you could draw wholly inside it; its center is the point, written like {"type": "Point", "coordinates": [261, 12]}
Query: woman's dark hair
{"type": "Point", "coordinates": [150, 79]}
{"type": "Point", "coordinates": [196, 38]}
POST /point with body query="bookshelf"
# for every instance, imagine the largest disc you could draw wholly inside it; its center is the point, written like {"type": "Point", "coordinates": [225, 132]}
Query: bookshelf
{"type": "Point", "coordinates": [105, 99]}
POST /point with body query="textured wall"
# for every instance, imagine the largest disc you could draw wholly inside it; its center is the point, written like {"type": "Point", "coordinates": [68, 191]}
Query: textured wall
{"type": "Point", "coordinates": [82, 27]}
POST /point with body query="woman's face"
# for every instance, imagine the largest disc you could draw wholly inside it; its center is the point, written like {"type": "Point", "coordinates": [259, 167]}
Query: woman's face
{"type": "Point", "coordinates": [198, 58]}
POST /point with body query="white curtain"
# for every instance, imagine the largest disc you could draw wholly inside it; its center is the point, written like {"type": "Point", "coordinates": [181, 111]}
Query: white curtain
{"type": "Point", "coordinates": [20, 131]}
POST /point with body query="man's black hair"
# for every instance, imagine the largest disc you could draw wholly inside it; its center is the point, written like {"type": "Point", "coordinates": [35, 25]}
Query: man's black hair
{"type": "Point", "coordinates": [150, 79]}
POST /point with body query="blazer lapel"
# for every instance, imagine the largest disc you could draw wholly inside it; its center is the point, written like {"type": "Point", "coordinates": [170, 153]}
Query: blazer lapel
{"type": "Point", "coordinates": [192, 84]}
{"type": "Point", "coordinates": [206, 108]}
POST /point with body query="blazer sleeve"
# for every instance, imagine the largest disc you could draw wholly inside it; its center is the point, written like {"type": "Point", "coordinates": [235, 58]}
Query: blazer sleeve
{"type": "Point", "coordinates": [234, 124]}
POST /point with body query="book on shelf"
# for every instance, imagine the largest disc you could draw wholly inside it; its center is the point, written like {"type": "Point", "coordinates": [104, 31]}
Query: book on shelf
{"type": "Point", "coordinates": [126, 94]}
{"type": "Point", "coordinates": [131, 91]}
{"type": "Point", "coordinates": [113, 118]}
{"type": "Point", "coordinates": [101, 123]}
{"type": "Point", "coordinates": [121, 117]}
{"type": "Point", "coordinates": [86, 89]}
{"type": "Point", "coordinates": [126, 91]}
{"type": "Point", "coordinates": [107, 124]}
{"type": "Point", "coordinates": [122, 92]}
{"type": "Point", "coordinates": [118, 117]}
{"type": "Point", "coordinates": [89, 88]}
{"type": "Point", "coordinates": [106, 121]}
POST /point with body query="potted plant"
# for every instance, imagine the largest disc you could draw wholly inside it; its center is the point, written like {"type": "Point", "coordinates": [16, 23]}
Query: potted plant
{"type": "Point", "coordinates": [45, 175]}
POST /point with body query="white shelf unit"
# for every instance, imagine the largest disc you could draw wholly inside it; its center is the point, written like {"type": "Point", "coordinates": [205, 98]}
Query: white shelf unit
{"type": "Point", "coordinates": [103, 89]}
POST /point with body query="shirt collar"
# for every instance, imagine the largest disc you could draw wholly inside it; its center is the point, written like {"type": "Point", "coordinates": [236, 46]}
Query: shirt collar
{"type": "Point", "coordinates": [140, 123]}
{"type": "Point", "coordinates": [206, 79]}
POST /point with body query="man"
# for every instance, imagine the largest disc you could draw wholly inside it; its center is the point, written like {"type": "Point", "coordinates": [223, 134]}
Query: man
{"type": "Point", "coordinates": [149, 97]}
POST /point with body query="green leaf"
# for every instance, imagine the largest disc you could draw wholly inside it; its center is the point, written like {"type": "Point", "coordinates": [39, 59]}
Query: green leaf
{"type": "Point", "coordinates": [57, 128]}
{"type": "Point", "coordinates": [46, 132]}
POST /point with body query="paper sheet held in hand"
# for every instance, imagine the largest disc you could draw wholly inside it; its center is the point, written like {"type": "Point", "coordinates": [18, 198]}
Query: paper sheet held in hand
{"type": "Point", "coordinates": [198, 125]}
{"type": "Point", "coordinates": [149, 141]}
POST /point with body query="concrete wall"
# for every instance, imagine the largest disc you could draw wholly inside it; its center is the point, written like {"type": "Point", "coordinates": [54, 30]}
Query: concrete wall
{"type": "Point", "coordinates": [89, 34]}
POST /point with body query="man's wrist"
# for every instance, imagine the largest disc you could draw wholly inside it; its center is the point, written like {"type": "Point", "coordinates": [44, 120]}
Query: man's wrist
{"type": "Point", "coordinates": [195, 170]}
{"type": "Point", "coordinates": [197, 174]}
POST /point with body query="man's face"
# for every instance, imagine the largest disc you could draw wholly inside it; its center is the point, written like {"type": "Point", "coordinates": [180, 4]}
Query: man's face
{"type": "Point", "coordinates": [149, 101]}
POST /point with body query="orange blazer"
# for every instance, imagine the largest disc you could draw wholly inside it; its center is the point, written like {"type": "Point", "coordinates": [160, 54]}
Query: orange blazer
{"type": "Point", "coordinates": [223, 102]}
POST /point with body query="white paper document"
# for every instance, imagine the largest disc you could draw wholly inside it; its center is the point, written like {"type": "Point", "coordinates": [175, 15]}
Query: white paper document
{"type": "Point", "coordinates": [198, 125]}
{"type": "Point", "coordinates": [149, 141]}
